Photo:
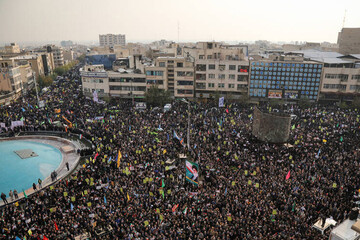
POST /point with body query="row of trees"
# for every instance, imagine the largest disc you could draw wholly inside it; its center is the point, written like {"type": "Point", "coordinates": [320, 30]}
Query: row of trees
{"type": "Point", "coordinates": [45, 81]}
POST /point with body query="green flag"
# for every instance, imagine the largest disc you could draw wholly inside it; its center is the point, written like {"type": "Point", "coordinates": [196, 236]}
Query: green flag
{"type": "Point", "coordinates": [24, 193]}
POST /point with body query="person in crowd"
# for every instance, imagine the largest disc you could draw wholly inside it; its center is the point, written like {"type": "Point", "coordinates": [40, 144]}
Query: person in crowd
{"type": "Point", "coordinates": [131, 185]}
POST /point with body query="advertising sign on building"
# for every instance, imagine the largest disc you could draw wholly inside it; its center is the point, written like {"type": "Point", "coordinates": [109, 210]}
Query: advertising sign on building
{"type": "Point", "coordinates": [275, 94]}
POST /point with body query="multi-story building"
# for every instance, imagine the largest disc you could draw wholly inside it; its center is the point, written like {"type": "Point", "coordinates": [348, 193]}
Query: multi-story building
{"type": "Point", "coordinates": [175, 74]}
{"type": "Point", "coordinates": [94, 78]}
{"type": "Point", "coordinates": [127, 84]}
{"type": "Point", "coordinates": [112, 39]}
{"type": "Point", "coordinates": [27, 76]}
{"type": "Point", "coordinates": [35, 61]}
{"type": "Point", "coordinates": [341, 74]}
{"type": "Point", "coordinates": [349, 41]}
{"type": "Point", "coordinates": [12, 48]}
{"type": "Point", "coordinates": [224, 77]}
{"type": "Point", "coordinates": [68, 43]}
{"type": "Point", "coordinates": [15, 84]}
{"type": "Point", "coordinates": [68, 56]}
{"type": "Point", "coordinates": [286, 77]}
{"type": "Point", "coordinates": [124, 83]}
{"type": "Point", "coordinates": [57, 55]}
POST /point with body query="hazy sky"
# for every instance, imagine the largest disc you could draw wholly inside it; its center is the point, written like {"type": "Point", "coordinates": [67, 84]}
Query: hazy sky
{"type": "Point", "coordinates": [199, 20]}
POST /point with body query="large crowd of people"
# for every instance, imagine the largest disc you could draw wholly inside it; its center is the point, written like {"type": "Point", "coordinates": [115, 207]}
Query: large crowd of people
{"type": "Point", "coordinates": [133, 185]}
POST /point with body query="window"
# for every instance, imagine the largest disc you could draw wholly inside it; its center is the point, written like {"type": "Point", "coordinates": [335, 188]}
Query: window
{"type": "Point", "coordinates": [211, 76]}
{"type": "Point", "coordinates": [232, 67]}
{"type": "Point", "coordinates": [342, 77]}
{"type": "Point", "coordinates": [211, 85]}
{"type": "Point", "coordinates": [185, 74]}
{"type": "Point", "coordinates": [160, 82]}
{"type": "Point", "coordinates": [154, 73]}
{"type": "Point", "coordinates": [127, 88]}
{"type": "Point", "coordinates": [242, 78]}
{"type": "Point", "coordinates": [161, 64]}
{"type": "Point", "coordinates": [211, 66]}
{"type": "Point", "coordinates": [356, 77]}
{"type": "Point", "coordinates": [200, 76]}
{"type": "Point", "coordinates": [185, 83]}
{"type": "Point", "coordinates": [209, 56]}
{"type": "Point", "coordinates": [221, 85]}
{"type": "Point", "coordinates": [201, 56]}
{"type": "Point", "coordinates": [241, 86]}
{"type": "Point", "coordinates": [231, 85]}
{"type": "Point", "coordinates": [179, 64]}
{"type": "Point", "coordinates": [182, 91]}
{"type": "Point", "coordinates": [232, 76]}
{"type": "Point", "coordinates": [335, 86]}
{"type": "Point", "coordinates": [200, 85]}
{"type": "Point", "coordinates": [200, 67]}
{"type": "Point", "coordinates": [243, 68]}
{"type": "Point", "coordinates": [221, 76]}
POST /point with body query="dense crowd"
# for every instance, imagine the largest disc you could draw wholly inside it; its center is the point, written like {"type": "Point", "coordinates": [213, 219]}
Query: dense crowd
{"type": "Point", "coordinates": [243, 191]}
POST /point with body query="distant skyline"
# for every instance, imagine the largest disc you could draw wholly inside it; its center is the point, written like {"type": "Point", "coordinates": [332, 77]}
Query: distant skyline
{"type": "Point", "coordinates": [198, 20]}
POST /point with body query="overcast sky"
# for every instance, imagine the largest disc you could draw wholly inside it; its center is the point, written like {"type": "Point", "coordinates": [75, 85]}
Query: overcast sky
{"type": "Point", "coordinates": [199, 20]}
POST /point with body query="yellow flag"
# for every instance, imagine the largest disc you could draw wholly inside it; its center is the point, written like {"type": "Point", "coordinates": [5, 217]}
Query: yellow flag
{"type": "Point", "coordinates": [128, 197]}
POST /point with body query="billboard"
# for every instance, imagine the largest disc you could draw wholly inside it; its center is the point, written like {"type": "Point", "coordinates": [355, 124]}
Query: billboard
{"type": "Point", "coordinates": [105, 59]}
{"type": "Point", "coordinates": [274, 94]}
{"type": "Point", "coordinates": [291, 95]}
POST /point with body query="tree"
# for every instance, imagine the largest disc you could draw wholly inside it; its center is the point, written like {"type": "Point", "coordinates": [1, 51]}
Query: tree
{"type": "Point", "coordinates": [45, 81]}
{"type": "Point", "coordinates": [304, 103]}
{"type": "Point", "coordinates": [59, 71]}
{"type": "Point", "coordinates": [356, 102]}
{"type": "Point", "coordinates": [157, 97]}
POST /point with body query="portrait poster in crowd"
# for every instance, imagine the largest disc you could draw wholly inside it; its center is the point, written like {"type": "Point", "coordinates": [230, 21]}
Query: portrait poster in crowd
{"type": "Point", "coordinates": [95, 96]}
{"type": "Point", "coordinates": [192, 172]}
{"type": "Point", "coordinates": [221, 102]}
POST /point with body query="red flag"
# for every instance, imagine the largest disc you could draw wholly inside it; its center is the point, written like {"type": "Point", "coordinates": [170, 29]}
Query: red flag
{"type": "Point", "coordinates": [175, 207]}
{"type": "Point", "coordinates": [288, 176]}
{"type": "Point", "coordinates": [96, 155]}
{"type": "Point", "coordinates": [45, 238]}
{"type": "Point", "coordinates": [56, 226]}
{"type": "Point", "coordinates": [227, 110]}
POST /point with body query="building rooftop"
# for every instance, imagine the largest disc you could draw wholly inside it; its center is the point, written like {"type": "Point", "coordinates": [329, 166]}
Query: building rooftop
{"type": "Point", "coordinates": [321, 56]}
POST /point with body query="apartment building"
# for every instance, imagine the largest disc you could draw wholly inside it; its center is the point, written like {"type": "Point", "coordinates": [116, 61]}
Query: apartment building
{"type": "Point", "coordinates": [341, 74]}
{"type": "Point", "coordinates": [112, 39]}
{"type": "Point", "coordinates": [127, 84]}
{"type": "Point", "coordinates": [124, 83]}
{"type": "Point", "coordinates": [57, 55]}
{"type": "Point", "coordinates": [224, 77]}
{"type": "Point", "coordinates": [175, 74]}
{"type": "Point", "coordinates": [35, 61]}
{"type": "Point", "coordinates": [27, 76]}
{"type": "Point", "coordinates": [286, 77]}
{"type": "Point", "coordinates": [349, 41]}
{"type": "Point", "coordinates": [12, 83]}
{"type": "Point", "coordinates": [68, 56]}
{"type": "Point", "coordinates": [12, 48]}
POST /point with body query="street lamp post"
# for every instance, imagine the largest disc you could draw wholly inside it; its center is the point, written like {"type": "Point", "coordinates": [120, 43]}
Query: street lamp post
{"type": "Point", "coordinates": [36, 89]}
{"type": "Point", "coordinates": [188, 125]}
